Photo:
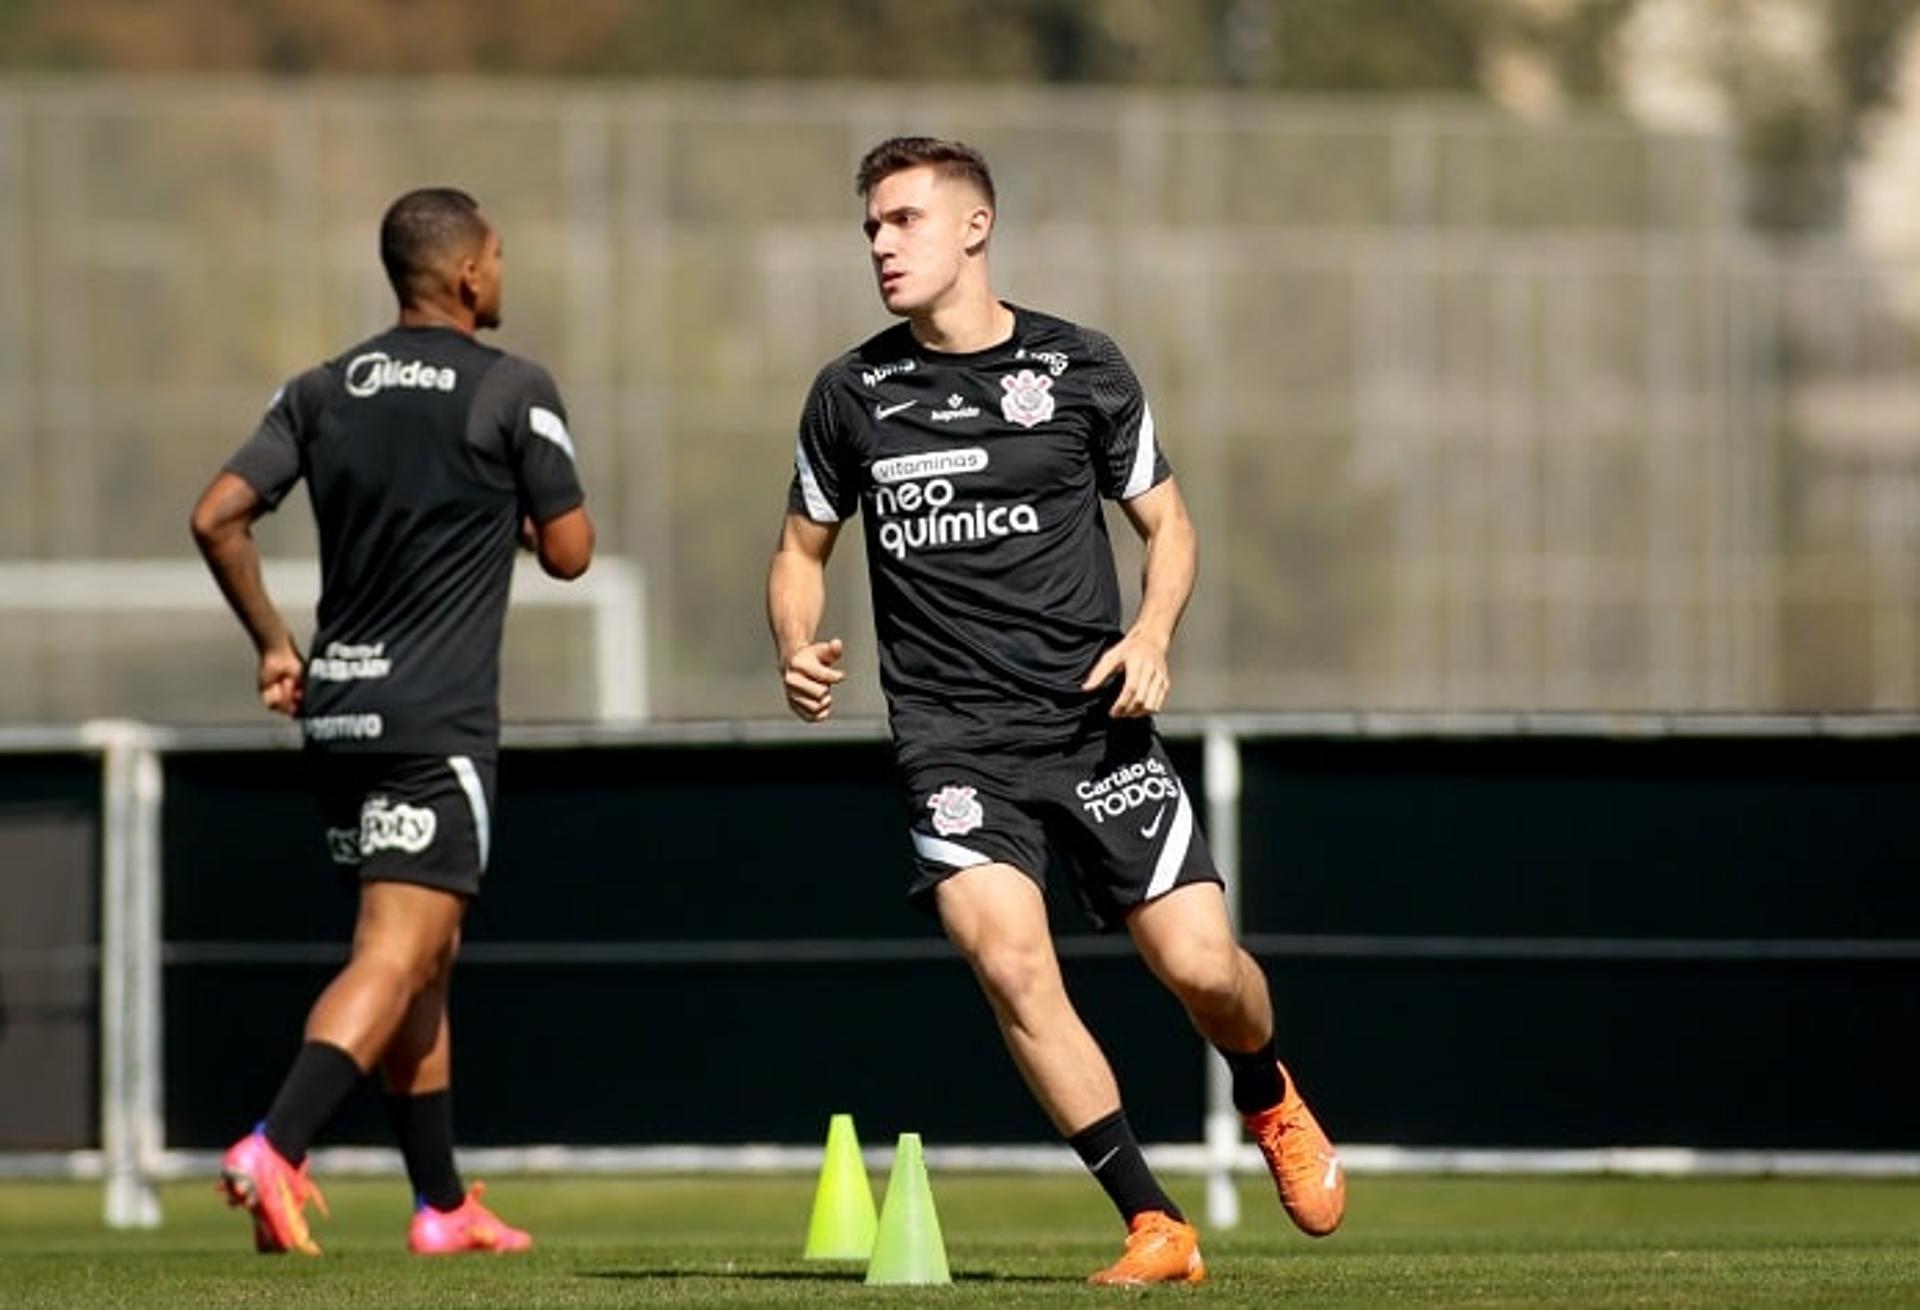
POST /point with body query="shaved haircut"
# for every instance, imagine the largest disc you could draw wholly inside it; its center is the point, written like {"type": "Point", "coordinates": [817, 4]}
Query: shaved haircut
{"type": "Point", "coordinates": [421, 231]}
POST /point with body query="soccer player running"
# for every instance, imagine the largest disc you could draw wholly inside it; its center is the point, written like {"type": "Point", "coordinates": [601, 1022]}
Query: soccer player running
{"type": "Point", "coordinates": [428, 456]}
{"type": "Point", "coordinates": [980, 436]}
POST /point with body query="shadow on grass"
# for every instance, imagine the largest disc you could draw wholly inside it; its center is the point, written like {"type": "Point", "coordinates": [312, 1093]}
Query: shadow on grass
{"type": "Point", "coordinates": [798, 1275]}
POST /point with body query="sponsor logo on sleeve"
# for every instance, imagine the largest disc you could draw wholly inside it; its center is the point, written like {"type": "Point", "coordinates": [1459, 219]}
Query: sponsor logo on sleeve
{"type": "Point", "coordinates": [873, 377]}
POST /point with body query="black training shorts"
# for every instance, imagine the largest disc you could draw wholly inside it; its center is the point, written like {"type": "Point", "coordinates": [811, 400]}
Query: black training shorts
{"type": "Point", "coordinates": [1109, 804]}
{"type": "Point", "coordinates": [423, 819]}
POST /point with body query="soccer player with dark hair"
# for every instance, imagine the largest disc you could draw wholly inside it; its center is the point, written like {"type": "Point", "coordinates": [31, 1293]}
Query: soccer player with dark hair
{"type": "Point", "coordinates": [427, 456]}
{"type": "Point", "coordinates": [980, 438]}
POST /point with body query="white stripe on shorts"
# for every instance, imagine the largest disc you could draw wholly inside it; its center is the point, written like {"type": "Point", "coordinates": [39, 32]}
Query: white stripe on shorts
{"type": "Point", "coordinates": [1174, 854]}
{"type": "Point", "coordinates": [943, 851]}
{"type": "Point", "coordinates": [469, 778]}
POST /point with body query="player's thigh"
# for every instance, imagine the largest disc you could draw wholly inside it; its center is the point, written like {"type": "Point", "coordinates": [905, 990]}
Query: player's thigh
{"type": "Point", "coordinates": [1186, 938]}
{"type": "Point", "coordinates": [1120, 815]}
{"type": "Point", "coordinates": [992, 904]}
{"type": "Point", "coordinates": [997, 917]}
{"type": "Point", "coordinates": [411, 924]}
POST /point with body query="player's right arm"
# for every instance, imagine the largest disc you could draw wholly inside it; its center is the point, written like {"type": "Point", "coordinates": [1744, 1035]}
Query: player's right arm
{"type": "Point", "coordinates": [820, 498]}
{"type": "Point", "coordinates": [796, 601]}
{"type": "Point", "coordinates": [223, 529]}
{"type": "Point", "coordinates": [252, 483]}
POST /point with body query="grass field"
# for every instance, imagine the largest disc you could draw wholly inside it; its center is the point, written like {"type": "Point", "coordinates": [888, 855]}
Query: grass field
{"type": "Point", "coordinates": [1012, 1242]}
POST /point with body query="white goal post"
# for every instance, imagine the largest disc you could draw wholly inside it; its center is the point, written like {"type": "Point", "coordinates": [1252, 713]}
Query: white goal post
{"type": "Point", "coordinates": [613, 591]}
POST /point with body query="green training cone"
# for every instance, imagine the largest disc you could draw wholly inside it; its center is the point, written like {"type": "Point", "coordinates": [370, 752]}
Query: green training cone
{"type": "Point", "coordinates": [842, 1225]}
{"type": "Point", "coordinates": [908, 1249]}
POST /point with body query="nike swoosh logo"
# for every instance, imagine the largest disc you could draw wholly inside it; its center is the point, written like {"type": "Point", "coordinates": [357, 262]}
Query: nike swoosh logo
{"type": "Point", "coordinates": [1105, 1160]}
{"type": "Point", "coordinates": [888, 411]}
{"type": "Point", "coordinates": [1332, 1180]}
{"type": "Point", "coordinates": [1154, 827]}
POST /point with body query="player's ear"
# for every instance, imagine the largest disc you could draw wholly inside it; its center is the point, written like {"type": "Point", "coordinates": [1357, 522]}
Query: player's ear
{"type": "Point", "coordinates": [979, 228]}
{"type": "Point", "coordinates": [467, 280]}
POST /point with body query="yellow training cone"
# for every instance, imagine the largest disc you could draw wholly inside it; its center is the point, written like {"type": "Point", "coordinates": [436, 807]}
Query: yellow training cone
{"type": "Point", "coordinates": [908, 1249]}
{"type": "Point", "coordinates": [842, 1225]}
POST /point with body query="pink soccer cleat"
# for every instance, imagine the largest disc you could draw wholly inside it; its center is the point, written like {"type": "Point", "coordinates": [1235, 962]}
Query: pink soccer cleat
{"type": "Point", "coordinates": [257, 1178]}
{"type": "Point", "coordinates": [472, 1227]}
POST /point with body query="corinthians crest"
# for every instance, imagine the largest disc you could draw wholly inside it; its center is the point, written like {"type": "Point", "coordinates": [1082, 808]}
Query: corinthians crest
{"type": "Point", "coordinates": [955, 811]}
{"type": "Point", "coordinates": [1028, 399]}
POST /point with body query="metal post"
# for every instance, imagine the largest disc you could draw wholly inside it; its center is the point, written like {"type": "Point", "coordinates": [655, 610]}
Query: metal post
{"type": "Point", "coordinates": [620, 640]}
{"type": "Point", "coordinates": [1222, 772]}
{"type": "Point", "coordinates": [131, 1128]}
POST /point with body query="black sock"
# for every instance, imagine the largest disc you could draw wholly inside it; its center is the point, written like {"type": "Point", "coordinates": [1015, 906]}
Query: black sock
{"type": "Point", "coordinates": [424, 1125]}
{"type": "Point", "coordinates": [1258, 1083]}
{"type": "Point", "coordinates": [1107, 1148]}
{"type": "Point", "coordinates": [322, 1076]}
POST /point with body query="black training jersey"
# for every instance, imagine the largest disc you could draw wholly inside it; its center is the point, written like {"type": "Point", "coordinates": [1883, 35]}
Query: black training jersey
{"type": "Point", "coordinates": [421, 449]}
{"type": "Point", "coordinates": [993, 580]}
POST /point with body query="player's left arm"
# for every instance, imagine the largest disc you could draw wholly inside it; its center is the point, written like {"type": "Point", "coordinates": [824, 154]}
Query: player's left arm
{"type": "Point", "coordinates": [223, 529]}
{"type": "Point", "coordinates": [554, 522]}
{"type": "Point", "coordinates": [1160, 517]}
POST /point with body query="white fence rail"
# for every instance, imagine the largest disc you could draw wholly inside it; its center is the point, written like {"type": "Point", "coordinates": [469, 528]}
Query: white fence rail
{"type": "Point", "coordinates": [134, 1158]}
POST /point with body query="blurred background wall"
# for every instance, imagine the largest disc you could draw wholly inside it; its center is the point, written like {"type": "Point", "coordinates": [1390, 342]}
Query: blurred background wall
{"type": "Point", "coordinates": [1525, 354]}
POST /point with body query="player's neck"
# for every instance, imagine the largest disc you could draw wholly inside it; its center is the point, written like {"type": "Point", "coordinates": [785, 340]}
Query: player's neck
{"type": "Point", "coordinates": [459, 318]}
{"type": "Point", "coordinates": [976, 321]}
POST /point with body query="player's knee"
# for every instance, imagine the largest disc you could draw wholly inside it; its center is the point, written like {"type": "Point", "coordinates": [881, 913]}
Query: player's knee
{"type": "Point", "coordinates": [443, 958]}
{"type": "Point", "coordinates": [412, 965]}
{"type": "Point", "coordinates": [1204, 979]}
{"type": "Point", "coordinates": [1015, 974]}
{"type": "Point", "coordinates": [430, 963]}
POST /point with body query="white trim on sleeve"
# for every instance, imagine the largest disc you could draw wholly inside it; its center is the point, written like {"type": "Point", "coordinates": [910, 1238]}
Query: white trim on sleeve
{"type": "Point", "coordinates": [817, 507]}
{"type": "Point", "coordinates": [1140, 481]}
{"type": "Point", "coordinates": [546, 423]}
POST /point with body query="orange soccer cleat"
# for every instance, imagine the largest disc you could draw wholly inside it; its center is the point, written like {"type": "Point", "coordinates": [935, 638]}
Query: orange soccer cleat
{"type": "Point", "coordinates": [1305, 1167]}
{"type": "Point", "coordinates": [258, 1179]}
{"type": "Point", "coordinates": [1160, 1249]}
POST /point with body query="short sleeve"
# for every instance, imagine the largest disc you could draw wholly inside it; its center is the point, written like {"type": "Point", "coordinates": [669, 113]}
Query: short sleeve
{"type": "Point", "coordinates": [823, 486]}
{"type": "Point", "coordinates": [541, 448]}
{"type": "Point", "coordinates": [274, 457]}
{"type": "Point", "coordinates": [1127, 457]}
